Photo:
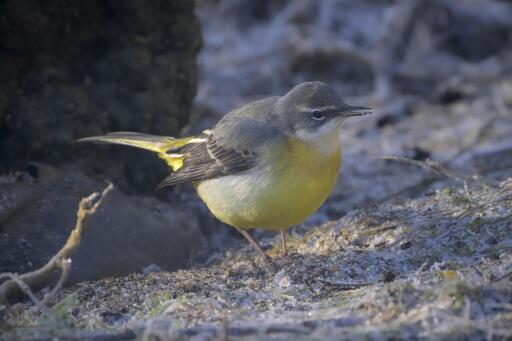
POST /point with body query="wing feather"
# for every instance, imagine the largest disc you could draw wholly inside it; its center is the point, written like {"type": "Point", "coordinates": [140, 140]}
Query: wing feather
{"type": "Point", "coordinates": [233, 149]}
{"type": "Point", "coordinates": [208, 160]}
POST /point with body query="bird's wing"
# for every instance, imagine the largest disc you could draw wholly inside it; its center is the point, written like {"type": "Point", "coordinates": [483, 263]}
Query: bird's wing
{"type": "Point", "coordinates": [233, 146]}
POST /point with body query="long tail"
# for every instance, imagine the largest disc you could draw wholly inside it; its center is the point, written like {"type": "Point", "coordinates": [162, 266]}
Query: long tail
{"type": "Point", "coordinates": [158, 144]}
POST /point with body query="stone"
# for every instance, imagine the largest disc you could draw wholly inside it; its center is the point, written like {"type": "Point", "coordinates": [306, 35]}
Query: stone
{"type": "Point", "coordinates": [127, 233]}
{"type": "Point", "coordinates": [82, 68]}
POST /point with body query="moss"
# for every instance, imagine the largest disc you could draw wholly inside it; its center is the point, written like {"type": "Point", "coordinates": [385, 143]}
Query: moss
{"type": "Point", "coordinates": [65, 307]}
{"type": "Point", "coordinates": [346, 298]}
{"type": "Point", "coordinates": [158, 303]}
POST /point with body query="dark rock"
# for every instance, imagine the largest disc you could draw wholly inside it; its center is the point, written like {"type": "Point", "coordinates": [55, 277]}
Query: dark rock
{"type": "Point", "coordinates": [417, 153]}
{"type": "Point", "coordinates": [388, 276]}
{"type": "Point", "coordinates": [113, 318]}
{"type": "Point", "coordinates": [450, 96]}
{"type": "Point", "coordinates": [71, 69]}
{"type": "Point", "coordinates": [125, 235]}
{"type": "Point", "coordinates": [394, 113]}
{"type": "Point", "coordinates": [386, 120]}
{"type": "Point", "coordinates": [420, 154]}
{"type": "Point", "coordinates": [405, 245]}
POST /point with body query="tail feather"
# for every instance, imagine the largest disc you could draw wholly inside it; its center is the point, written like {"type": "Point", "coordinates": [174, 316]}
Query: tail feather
{"type": "Point", "coordinates": [155, 143]}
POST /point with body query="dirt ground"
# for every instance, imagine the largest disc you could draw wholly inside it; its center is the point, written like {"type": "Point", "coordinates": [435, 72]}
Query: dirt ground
{"type": "Point", "coordinates": [438, 266]}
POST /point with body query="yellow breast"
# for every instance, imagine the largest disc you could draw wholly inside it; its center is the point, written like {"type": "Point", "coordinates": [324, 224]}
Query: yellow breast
{"type": "Point", "coordinates": [291, 183]}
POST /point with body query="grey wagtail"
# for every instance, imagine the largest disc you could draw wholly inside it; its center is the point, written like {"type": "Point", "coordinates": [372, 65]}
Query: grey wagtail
{"type": "Point", "coordinates": [269, 164]}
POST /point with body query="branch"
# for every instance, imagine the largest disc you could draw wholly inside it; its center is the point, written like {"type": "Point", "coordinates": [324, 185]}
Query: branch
{"type": "Point", "coordinates": [65, 266]}
{"type": "Point", "coordinates": [16, 279]}
{"type": "Point", "coordinates": [41, 277]}
{"type": "Point", "coordinates": [429, 164]}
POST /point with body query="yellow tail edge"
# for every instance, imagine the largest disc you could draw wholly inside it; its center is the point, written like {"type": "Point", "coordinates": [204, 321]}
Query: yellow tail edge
{"type": "Point", "coordinates": [158, 144]}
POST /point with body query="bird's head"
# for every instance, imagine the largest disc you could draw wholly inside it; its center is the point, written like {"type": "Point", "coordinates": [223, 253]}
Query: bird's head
{"type": "Point", "coordinates": [314, 109]}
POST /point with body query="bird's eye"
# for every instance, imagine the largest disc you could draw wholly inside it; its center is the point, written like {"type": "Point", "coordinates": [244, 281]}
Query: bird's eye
{"type": "Point", "coordinates": [318, 115]}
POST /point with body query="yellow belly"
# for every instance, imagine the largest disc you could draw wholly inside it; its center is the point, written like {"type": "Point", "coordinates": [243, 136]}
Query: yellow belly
{"type": "Point", "coordinates": [279, 193]}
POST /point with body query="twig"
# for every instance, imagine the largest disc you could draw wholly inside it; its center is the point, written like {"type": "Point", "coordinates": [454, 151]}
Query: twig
{"type": "Point", "coordinates": [427, 180]}
{"type": "Point", "coordinates": [16, 279]}
{"type": "Point", "coordinates": [65, 266]}
{"type": "Point", "coordinates": [308, 285]}
{"type": "Point", "coordinates": [439, 168]}
{"type": "Point", "coordinates": [435, 166]}
{"type": "Point", "coordinates": [42, 276]}
{"type": "Point", "coordinates": [344, 286]}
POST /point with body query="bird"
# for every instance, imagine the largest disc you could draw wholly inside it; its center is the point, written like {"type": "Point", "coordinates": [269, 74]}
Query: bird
{"type": "Point", "coordinates": [269, 164]}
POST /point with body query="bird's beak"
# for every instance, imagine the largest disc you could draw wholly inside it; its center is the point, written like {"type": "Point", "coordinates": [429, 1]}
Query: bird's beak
{"type": "Point", "coordinates": [354, 111]}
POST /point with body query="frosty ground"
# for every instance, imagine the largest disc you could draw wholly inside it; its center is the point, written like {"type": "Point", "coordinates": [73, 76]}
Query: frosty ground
{"type": "Point", "coordinates": [438, 266]}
